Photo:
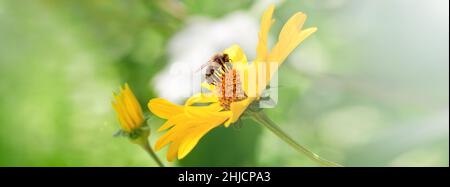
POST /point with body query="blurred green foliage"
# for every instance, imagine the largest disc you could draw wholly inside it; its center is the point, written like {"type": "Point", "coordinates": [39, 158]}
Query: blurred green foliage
{"type": "Point", "coordinates": [364, 93]}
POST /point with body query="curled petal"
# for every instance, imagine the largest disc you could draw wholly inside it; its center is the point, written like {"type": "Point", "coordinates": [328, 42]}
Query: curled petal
{"type": "Point", "coordinates": [163, 108]}
{"type": "Point", "coordinates": [201, 98]}
{"type": "Point", "coordinates": [237, 108]}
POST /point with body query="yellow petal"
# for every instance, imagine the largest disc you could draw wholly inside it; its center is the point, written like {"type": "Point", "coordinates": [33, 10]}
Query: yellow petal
{"type": "Point", "coordinates": [163, 108]}
{"type": "Point", "coordinates": [201, 98]}
{"type": "Point", "coordinates": [169, 123]}
{"type": "Point", "coordinates": [122, 122]}
{"type": "Point", "coordinates": [236, 55]}
{"type": "Point", "coordinates": [289, 38]}
{"type": "Point", "coordinates": [196, 133]}
{"type": "Point", "coordinates": [207, 86]}
{"type": "Point", "coordinates": [180, 122]}
{"type": "Point", "coordinates": [237, 108]}
{"type": "Point", "coordinates": [266, 22]}
{"type": "Point", "coordinates": [203, 112]}
{"type": "Point", "coordinates": [165, 139]}
{"type": "Point", "coordinates": [187, 131]}
{"type": "Point", "coordinates": [132, 108]}
{"type": "Point", "coordinates": [191, 140]}
{"type": "Point", "coordinates": [172, 153]}
{"type": "Point", "coordinates": [240, 64]}
{"type": "Point", "coordinates": [120, 106]}
{"type": "Point", "coordinates": [137, 110]}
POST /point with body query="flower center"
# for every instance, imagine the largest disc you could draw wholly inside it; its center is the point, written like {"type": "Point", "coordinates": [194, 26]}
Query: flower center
{"type": "Point", "coordinates": [229, 89]}
{"type": "Point", "coordinates": [228, 86]}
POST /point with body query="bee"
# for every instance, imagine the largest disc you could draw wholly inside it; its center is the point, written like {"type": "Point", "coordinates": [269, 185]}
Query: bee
{"type": "Point", "coordinates": [218, 65]}
{"type": "Point", "coordinates": [220, 73]}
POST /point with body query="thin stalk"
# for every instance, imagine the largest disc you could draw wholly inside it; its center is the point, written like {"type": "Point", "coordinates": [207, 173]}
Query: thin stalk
{"type": "Point", "coordinates": [264, 120]}
{"type": "Point", "coordinates": [149, 150]}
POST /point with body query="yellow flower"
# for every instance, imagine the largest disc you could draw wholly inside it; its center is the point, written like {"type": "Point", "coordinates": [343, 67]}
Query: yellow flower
{"type": "Point", "coordinates": [202, 112]}
{"type": "Point", "coordinates": [131, 119]}
{"type": "Point", "coordinates": [128, 110]}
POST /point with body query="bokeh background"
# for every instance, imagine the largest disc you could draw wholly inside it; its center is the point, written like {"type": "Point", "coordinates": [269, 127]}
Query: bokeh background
{"type": "Point", "coordinates": [370, 88]}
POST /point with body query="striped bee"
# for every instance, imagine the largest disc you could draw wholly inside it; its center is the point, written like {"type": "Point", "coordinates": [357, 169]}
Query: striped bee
{"type": "Point", "coordinates": [220, 73]}
{"type": "Point", "coordinates": [217, 66]}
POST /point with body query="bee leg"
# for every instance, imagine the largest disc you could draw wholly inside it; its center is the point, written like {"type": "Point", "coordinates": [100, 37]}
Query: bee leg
{"type": "Point", "coordinates": [228, 66]}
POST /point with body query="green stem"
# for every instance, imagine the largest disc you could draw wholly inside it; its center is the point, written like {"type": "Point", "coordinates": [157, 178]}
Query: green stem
{"type": "Point", "coordinates": [263, 119]}
{"type": "Point", "coordinates": [149, 150]}
{"type": "Point", "coordinates": [140, 137]}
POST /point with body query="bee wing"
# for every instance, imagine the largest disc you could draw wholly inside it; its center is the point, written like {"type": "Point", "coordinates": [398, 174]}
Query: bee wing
{"type": "Point", "coordinates": [201, 67]}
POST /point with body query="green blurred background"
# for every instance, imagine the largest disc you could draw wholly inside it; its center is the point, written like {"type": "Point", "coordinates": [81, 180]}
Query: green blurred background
{"type": "Point", "coordinates": [370, 88]}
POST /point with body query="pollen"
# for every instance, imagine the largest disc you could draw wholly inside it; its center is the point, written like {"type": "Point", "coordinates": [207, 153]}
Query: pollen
{"type": "Point", "coordinates": [230, 89]}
